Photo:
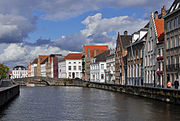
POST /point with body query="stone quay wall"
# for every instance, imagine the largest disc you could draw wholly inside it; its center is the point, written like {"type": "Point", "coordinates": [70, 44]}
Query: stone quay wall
{"type": "Point", "coordinates": [8, 93]}
{"type": "Point", "coordinates": [162, 94]}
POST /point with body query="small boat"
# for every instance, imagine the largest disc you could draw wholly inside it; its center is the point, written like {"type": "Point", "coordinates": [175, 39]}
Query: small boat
{"type": "Point", "coordinates": [30, 85]}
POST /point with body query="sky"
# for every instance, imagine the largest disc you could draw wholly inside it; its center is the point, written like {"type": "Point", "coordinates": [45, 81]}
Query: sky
{"type": "Point", "coordinates": [29, 28]}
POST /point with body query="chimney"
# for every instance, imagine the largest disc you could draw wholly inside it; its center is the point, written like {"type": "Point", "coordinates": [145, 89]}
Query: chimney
{"type": "Point", "coordinates": [125, 32]}
{"type": "Point", "coordinates": [156, 15]}
{"type": "Point", "coordinates": [163, 11]}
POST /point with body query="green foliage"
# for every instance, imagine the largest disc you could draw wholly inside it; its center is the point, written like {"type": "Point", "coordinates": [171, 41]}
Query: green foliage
{"type": "Point", "coordinates": [3, 71]}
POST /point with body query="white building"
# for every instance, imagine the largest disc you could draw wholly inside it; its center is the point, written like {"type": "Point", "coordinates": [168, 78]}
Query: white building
{"type": "Point", "coordinates": [71, 66]}
{"type": "Point", "coordinates": [43, 70]}
{"type": "Point", "coordinates": [34, 67]}
{"type": "Point", "coordinates": [19, 72]}
{"type": "Point", "coordinates": [62, 69]}
{"type": "Point", "coordinates": [110, 67]}
{"type": "Point", "coordinates": [150, 63]}
{"type": "Point", "coordinates": [98, 68]}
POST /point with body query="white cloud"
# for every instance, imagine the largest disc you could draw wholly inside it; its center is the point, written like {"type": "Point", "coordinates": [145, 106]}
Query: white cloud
{"type": "Point", "coordinates": [19, 54]}
{"type": "Point", "coordinates": [12, 52]}
{"type": "Point", "coordinates": [98, 25]}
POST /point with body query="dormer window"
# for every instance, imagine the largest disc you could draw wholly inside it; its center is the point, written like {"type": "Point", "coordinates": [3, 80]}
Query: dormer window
{"type": "Point", "coordinates": [172, 8]}
{"type": "Point", "coordinates": [177, 6]}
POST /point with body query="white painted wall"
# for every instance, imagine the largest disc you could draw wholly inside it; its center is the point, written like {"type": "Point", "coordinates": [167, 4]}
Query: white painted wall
{"type": "Point", "coordinates": [43, 70]}
{"type": "Point", "coordinates": [77, 71]}
{"type": "Point", "coordinates": [32, 69]}
{"type": "Point", "coordinates": [19, 73]}
{"type": "Point", "coordinates": [62, 69]}
{"type": "Point", "coordinates": [96, 72]}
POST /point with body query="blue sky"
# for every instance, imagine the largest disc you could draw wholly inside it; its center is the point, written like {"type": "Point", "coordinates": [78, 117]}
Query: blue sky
{"type": "Point", "coordinates": [54, 29]}
{"type": "Point", "coordinates": [41, 27]}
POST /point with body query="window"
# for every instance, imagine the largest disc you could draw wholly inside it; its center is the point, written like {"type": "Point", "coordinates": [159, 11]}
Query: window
{"type": "Point", "coordinates": [69, 74]}
{"type": "Point", "coordinates": [74, 67]}
{"type": "Point", "coordinates": [177, 22]}
{"type": "Point", "coordinates": [69, 67]}
{"type": "Point", "coordinates": [77, 74]}
{"type": "Point", "coordinates": [168, 60]}
{"type": "Point", "coordinates": [177, 60]}
{"type": "Point", "coordinates": [102, 66]}
{"type": "Point", "coordinates": [102, 76]}
{"type": "Point", "coordinates": [177, 6]}
{"type": "Point", "coordinates": [172, 24]}
{"type": "Point", "coordinates": [172, 39]}
{"type": "Point", "coordinates": [69, 62]}
{"type": "Point", "coordinates": [168, 44]}
{"type": "Point", "coordinates": [172, 8]}
{"type": "Point", "coordinates": [172, 59]}
{"type": "Point", "coordinates": [149, 46]}
{"type": "Point", "coordinates": [80, 68]}
{"type": "Point", "coordinates": [168, 26]}
{"type": "Point", "coordinates": [74, 62]}
{"type": "Point", "coordinates": [177, 41]}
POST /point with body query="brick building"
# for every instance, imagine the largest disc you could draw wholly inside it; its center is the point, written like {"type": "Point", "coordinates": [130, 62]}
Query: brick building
{"type": "Point", "coordinates": [121, 57]}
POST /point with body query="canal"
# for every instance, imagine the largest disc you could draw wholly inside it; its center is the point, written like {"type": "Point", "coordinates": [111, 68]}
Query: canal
{"type": "Point", "coordinates": [76, 103]}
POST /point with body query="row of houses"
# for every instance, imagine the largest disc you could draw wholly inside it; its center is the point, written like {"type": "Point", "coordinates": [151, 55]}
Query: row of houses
{"type": "Point", "coordinates": [148, 57]}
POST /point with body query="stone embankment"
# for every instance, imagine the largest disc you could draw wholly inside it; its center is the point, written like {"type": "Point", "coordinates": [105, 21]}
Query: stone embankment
{"type": "Point", "coordinates": [162, 94]}
{"type": "Point", "coordinates": [8, 91]}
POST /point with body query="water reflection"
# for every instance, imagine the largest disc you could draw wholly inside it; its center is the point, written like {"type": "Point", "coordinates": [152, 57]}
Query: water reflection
{"type": "Point", "coordinates": [75, 103]}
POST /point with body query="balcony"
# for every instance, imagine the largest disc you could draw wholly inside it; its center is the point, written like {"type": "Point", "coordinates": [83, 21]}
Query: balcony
{"type": "Point", "coordinates": [160, 58]}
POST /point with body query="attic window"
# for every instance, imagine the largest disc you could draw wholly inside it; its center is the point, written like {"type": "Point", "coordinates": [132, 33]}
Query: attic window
{"type": "Point", "coordinates": [172, 8]}
{"type": "Point", "coordinates": [177, 6]}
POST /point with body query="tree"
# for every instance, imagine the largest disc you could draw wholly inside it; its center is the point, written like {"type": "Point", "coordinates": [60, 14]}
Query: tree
{"type": "Point", "coordinates": [3, 71]}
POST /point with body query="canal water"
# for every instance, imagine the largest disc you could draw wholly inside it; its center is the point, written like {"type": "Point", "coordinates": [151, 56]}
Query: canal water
{"type": "Point", "coordinates": [77, 104]}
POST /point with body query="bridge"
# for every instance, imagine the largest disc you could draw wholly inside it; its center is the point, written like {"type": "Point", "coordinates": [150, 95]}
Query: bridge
{"type": "Point", "coordinates": [46, 81]}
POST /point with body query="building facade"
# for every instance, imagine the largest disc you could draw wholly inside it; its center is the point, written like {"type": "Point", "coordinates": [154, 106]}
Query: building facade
{"type": "Point", "coordinates": [135, 58]}
{"type": "Point", "coordinates": [71, 66]}
{"type": "Point", "coordinates": [151, 64]}
{"type": "Point", "coordinates": [34, 67]}
{"type": "Point", "coordinates": [121, 57]}
{"type": "Point", "coordinates": [110, 67]}
{"type": "Point", "coordinates": [98, 68]}
{"type": "Point", "coordinates": [19, 72]}
{"type": "Point", "coordinates": [172, 43]}
{"type": "Point", "coordinates": [29, 69]}
{"type": "Point", "coordinates": [90, 51]}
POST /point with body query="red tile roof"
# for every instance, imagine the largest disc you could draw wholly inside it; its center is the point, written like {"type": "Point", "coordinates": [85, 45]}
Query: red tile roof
{"type": "Point", "coordinates": [92, 48]}
{"type": "Point", "coordinates": [159, 23]}
{"type": "Point", "coordinates": [35, 61]}
{"type": "Point", "coordinates": [10, 72]}
{"type": "Point", "coordinates": [43, 58]}
{"type": "Point", "coordinates": [73, 56]}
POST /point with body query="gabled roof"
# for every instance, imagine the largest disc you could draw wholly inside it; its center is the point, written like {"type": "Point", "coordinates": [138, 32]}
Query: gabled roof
{"type": "Point", "coordinates": [43, 58]}
{"type": "Point", "coordinates": [174, 7]}
{"type": "Point", "coordinates": [94, 49]}
{"type": "Point", "coordinates": [159, 23]}
{"type": "Point", "coordinates": [73, 56]}
{"type": "Point", "coordinates": [102, 57]}
{"type": "Point", "coordinates": [17, 67]}
{"type": "Point", "coordinates": [124, 40]}
{"type": "Point", "coordinates": [35, 61]}
{"type": "Point", "coordinates": [10, 72]}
